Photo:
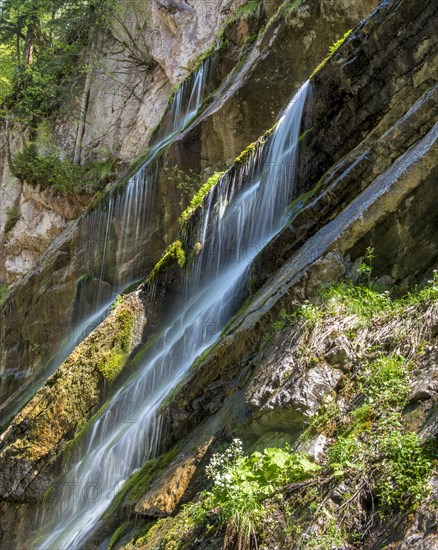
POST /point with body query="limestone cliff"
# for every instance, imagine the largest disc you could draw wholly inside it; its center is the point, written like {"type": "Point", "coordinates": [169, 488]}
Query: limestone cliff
{"type": "Point", "coordinates": [148, 48]}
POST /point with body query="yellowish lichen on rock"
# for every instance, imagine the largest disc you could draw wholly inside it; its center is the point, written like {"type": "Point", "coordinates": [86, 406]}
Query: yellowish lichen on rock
{"type": "Point", "coordinates": [63, 405]}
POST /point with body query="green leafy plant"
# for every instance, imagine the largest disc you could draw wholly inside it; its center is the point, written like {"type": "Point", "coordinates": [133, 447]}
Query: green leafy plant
{"type": "Point", "coordinates": [61, 176]}
{"type": "Point", "coordinates": [373, 442]}
{"type": "Point", "coordinates": [366, 267]}
{"type": "Point", "coordinates": [187, 183]}
{"type": "Point", "coordinates": [241, 484]}
{"type": "Point", "coordinates": [407, 464]}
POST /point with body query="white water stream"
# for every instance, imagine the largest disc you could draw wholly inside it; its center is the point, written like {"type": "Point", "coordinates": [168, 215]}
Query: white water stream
{"type": "Point", "coordinates": [241, 217]}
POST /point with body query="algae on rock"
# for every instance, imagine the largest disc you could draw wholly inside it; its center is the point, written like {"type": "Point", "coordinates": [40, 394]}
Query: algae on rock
{"type": "Point", "coordinates": [63, 405]}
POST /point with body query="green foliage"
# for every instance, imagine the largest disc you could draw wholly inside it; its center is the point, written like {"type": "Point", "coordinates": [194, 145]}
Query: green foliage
{"type": "Point", "coordinates": [366, 267]}
{"type": "Point", "coordinates": [326, 417]}
{"type": "Point", "coordinates": [61, 176]}
{"type": "Point", "coordinates": [373, 443]}
{"type": "Point", "coordinates": [43, 51]}
{"type": "Point", "coordinates": [333, 48]}
{"type": "Point", "coordinates": [385, 382]}
{"type": "Point", "coordinates": [198, 198]}
{"type": "Point", "coordinates": [333, 536]}
{"type": "Point", "coordinates": [368, 303]}
{"type": "Point", "coordinates": [12, 216]}
{"type": "Point", "coordinates": [406, 466]}
{"type": "Point", "coordinates": [7, 70]}
{"type": "Point", "coordinates": [241, 484]}
{"type": "Point", "coordinates": [4, 292]}
{"type": "Point", "coordinates": [187, 183]}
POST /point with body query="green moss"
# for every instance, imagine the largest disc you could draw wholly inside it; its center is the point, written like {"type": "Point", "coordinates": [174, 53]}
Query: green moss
{"type": "Point", "coordinates": [251, 9]}
{"type": "Point", "coordinates": [12, 217]}
{"type": "Point", "coordinates": [333, 48]}
{"type": "Point", "coordinates": [208, 53]}
{"type": "Point", "coordinates": [111, 364]}
{"type": "Point", "coordinates": [121, 531]}
{"type": "Point", "coordinates": [241, 311]}
{"type": "Point", "coordinates": [300, 202]}
{"type": "Point", "coordinates": [174, 252]}
{"type": "Point", "coordinates": [83, 278]}
{"type": "Point", "coordinates": [136, 486]}
{"type": "Point", "coordinates": [110, 367]}
{"type": "Point", "coordinates": [198, 198]}
{"type": "Point", "coordinates": [4, 293]}
{"type": "Point", "coordinates": [247, 153]}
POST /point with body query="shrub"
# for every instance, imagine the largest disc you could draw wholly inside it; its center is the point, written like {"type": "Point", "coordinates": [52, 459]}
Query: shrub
{"type": "Point", "coordinates": [241, 484]}
{"type": "Point", "coordinates": [61, 176]}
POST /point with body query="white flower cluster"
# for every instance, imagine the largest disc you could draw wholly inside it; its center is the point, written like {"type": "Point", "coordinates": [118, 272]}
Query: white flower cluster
{"type": "Point", "coordinates": [220, 464]}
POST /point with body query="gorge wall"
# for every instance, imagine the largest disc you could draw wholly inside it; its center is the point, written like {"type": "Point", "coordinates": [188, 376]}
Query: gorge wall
{"type": "Point", "coordinates": [331, 352]}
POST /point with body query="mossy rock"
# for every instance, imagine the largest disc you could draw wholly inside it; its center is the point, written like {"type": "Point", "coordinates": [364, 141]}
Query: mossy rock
{"type": "Point", "coordinates": [64, 404]}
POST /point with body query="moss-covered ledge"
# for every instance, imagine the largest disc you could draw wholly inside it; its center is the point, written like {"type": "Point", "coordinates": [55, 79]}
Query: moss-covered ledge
{"type": "Point", "coordinates": [37, 435]}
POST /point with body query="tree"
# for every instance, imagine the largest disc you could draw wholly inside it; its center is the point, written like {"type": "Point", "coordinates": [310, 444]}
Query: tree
{"type": "Point", "coordinates": [53, 42]}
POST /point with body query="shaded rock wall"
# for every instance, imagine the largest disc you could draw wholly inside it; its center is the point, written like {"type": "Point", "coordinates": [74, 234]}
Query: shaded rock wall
{"type": "Point", "coordinates": [32, 442]}
{"type": "Point", "coordinates": [39, 313]}
{"type": "Point", "coordinates": [148, 48]}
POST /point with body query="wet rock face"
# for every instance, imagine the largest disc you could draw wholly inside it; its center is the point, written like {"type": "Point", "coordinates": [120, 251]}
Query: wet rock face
{"type": "Point", "coordinates": [147, 50]}
{"type": "Point", "coordinates": [43, 309]}
{"type": "Point", "coordinates": [384, 165]}
{"type": "Point", "coordinates": [30, 445]}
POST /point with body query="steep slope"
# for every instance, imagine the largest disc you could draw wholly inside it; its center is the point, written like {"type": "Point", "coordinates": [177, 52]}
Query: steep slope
{"type": "Point", "coordinates": [55, 302]}
{"type": "Point", "coordinates": [347, 375]}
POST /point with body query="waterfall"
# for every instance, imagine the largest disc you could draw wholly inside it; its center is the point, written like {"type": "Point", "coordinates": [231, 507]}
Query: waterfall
{"type": "Point", "coordinates": [114, 230]}
{"type": "Point", "coordinates": [242, 215]}
{"type": "Point", "coordinates": [113, 233]}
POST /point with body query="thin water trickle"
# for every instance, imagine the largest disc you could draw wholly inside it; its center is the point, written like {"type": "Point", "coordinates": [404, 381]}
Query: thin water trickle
{"type": "Point", "coordinates": [113, 230]}
{"type": "Point", "coordinates": [253, 205]}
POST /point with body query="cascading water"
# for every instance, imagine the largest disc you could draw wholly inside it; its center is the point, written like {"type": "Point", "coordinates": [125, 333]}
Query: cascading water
{"type": "Point", "coordinates": [243, 213]}
{"type": "Point", "coordinates": [112, 233]}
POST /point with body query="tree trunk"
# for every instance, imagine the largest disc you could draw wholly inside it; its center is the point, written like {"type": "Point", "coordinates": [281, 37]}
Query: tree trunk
{"type": "Point", "coordinates": [84, 108]}
{"type": "Point", "coordinates": [29, 46]}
